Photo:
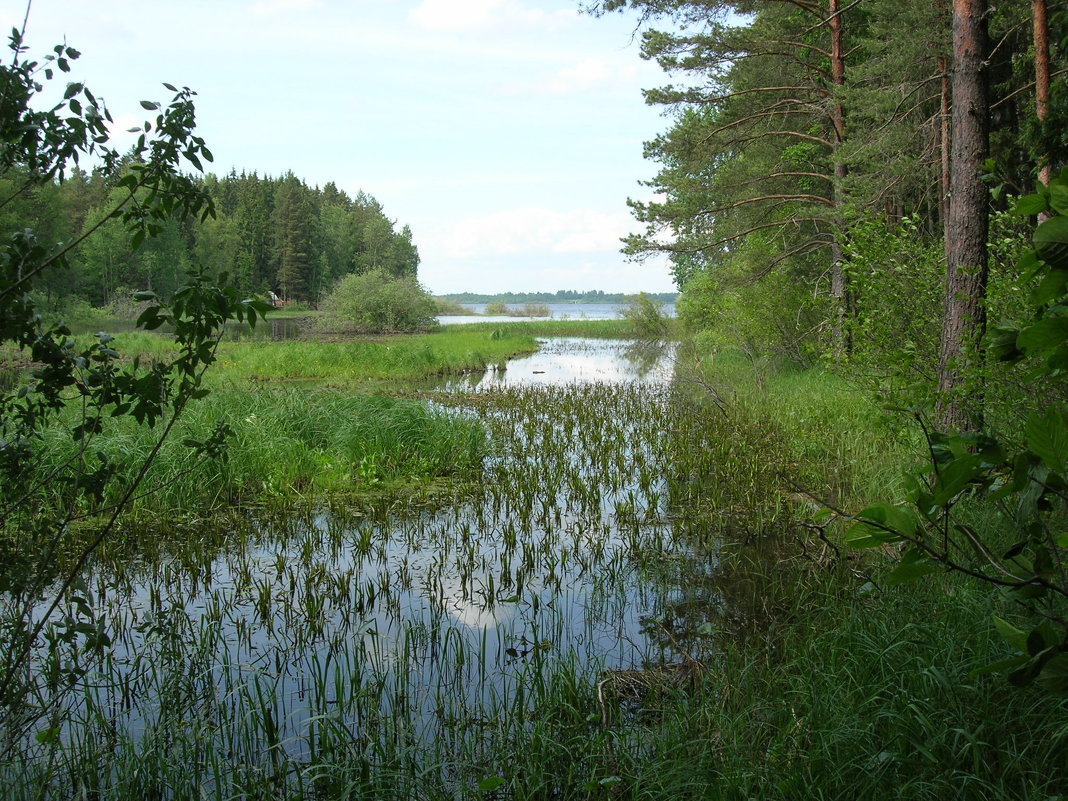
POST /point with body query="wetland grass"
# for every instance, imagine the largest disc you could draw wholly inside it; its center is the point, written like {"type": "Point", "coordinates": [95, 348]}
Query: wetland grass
{"type": "Point", "coordinates": [452, 350]}
{"type": "Point", "coordinates": [421, 653]}
{"type": "Point", "coordinates": [455, 651]}
{"type": "Point", "coordinates": [292, 442]}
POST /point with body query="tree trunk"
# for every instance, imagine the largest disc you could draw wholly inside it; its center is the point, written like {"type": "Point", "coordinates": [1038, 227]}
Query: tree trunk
{"type": "Point", "coordinates": [966, 228]}
{"type": "Point", "coordinates": [945, 137]}
{"type": "Point", "coordinates": [1040, 21]}
{"type": "Point", "coordinates": [945, 111]}
{"type": "Point", "coordinates": [839, 279]}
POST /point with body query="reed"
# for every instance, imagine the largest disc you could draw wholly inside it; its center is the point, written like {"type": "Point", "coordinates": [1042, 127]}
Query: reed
{"type": "Point", "coordinates": [618, 609]}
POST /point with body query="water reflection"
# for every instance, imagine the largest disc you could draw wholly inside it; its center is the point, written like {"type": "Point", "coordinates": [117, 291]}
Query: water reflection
{"type": "Point", "coordinates": [565, 360]}
{"type": "Point", "coordinates": [433, 617]}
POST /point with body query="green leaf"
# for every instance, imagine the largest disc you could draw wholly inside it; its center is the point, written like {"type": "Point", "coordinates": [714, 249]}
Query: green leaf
{"type": "Point", "coordinates": [1031, 204]}
{"type": "Point", "coordinates": [913, 565]}
{"type": "Point", "coordinates": [47, 736]}
{"type": "Point", "coordinates": [1051, 242]}
{"type": "Point", "coordinates": [491, 783]}
{"type": "Point", "coordinates": [1051, 287]}
{"type": "Point", "coordinates": [1053, 677]}
{"type": "Point", "coordinates": [954, 476]}
{"type": "Point", "coordinates": [1015, 637]}
{"type": "Point", "coordinates": [148, 105]}
{"type": "Point", "coordinates": [1058, 197]}
{"type": "Point", "coordinates": [1044, 335]}
{"type": "Point", "coordinates": [1047, 436]}
{"type": "Point", "coordinates": [1000, 666]}
{"type": "Point", "coordinates": [1001, 344]}
{"type": "Point", "coordinates": [1028, 264]}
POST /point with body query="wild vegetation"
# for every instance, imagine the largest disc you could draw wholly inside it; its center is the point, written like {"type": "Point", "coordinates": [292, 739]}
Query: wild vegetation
{"type": "Point", "coordinates": [345, 565]}
{"type": "Point", "coordinates": [376, 302]}
{"type": "Point", "coordinates": [835, 189]}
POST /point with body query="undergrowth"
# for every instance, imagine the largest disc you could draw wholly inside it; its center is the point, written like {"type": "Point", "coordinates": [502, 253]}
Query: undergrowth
{"type": "Point", "coordinates": [829, 683]}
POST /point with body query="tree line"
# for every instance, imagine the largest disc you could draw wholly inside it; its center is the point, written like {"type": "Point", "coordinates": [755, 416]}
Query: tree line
{"type": "Point", "coordinates": [271, 234]}
{"type": "Point", "coordinates": [880, 185]}
{"type": "Point", "coordinates": [833, 178]}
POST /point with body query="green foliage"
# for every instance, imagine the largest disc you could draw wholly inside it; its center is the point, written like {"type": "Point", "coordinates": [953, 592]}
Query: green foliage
{"type": "Point", "coordinates": [451, 308]}
{"type": "Point", "coordinates": [87, 389]}
{"type": "Point", "coordinates": [771, 318]}
{"type": "Point", "coordinates": [995, 510]}
{"type": "Point", "coordinates": [449, 350]}
{"type": "Point", "coordinates": [496, 308]}
{"type": "Point", "coordinates": [896, 272]}
{"type": "Point", "coordinates": [646, 315]}
{"type": "Point", "coordinates": [377, 302]}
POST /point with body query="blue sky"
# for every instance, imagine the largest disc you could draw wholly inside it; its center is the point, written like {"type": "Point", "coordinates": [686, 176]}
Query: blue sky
{"type": "Point", "coordinates": [507, 133]}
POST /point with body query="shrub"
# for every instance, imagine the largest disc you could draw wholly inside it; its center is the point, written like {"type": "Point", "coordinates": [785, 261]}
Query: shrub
{"type": "Point", "coordinates": [646, 314]}
{"type": "Point", "coordinates": [532, 310]}
{"type": "Point", "coordinates": [376, 302]}
{"type": "Point", "coordinates": [497, 308]}
{"type": "Point", "coordinates": [451, 308]}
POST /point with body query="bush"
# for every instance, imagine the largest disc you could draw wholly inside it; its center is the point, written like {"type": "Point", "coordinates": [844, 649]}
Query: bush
{"type": "Point", "coordinates": [451, 308]}
{"type": "Point", "coordinates": [377, 302]}
{"type": "Point", "coordinates": [532, 310]}
{"type": "Point", "coordinates": [646, 314]}
{"type": "Point", "coordinates": [496, 308]}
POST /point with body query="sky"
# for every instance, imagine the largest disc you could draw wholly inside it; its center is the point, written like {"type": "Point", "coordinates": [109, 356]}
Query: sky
{"type": "Point", "coordinates": [507, 133]}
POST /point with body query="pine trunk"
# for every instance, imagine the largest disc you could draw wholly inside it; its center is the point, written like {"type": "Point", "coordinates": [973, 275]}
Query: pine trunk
{"type": "Point", "coordinates": [839, 279]}
{"type": "Point", "coordinates": [966, 227]}
{"type": "Point", "coordinates": [1040, 21]}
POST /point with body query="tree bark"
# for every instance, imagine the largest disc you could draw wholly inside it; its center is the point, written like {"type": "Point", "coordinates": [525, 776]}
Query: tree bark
{"type": "Point", "coordinates": [1040, 22]}
{"type": "Point", "coordinates": [945, 136]}
{"type": "Point", "coordinates": [964, 320]}
{"type": "Point", "coordinates": [839, 278]}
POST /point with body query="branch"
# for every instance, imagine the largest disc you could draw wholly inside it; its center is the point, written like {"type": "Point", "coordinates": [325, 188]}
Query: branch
{"type": "Point", "coordinates": [752, 117]}
{"type": "Point", "coordinates": [837, 13]}
{"type": "Point", "coordinates": [721, 98]}
{"type": "Point", "coordinates": [809, 137]}
{"type": "Point", "coordinates": [1024, 88]}
{"type": "Point", "coordinates": [762, 198]}
{"type": "Point", "coordinates": [739, 235]}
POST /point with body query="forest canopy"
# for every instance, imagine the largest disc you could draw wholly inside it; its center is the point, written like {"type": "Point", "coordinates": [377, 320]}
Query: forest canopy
{"type": "Point", "coordinates": [269, 234]}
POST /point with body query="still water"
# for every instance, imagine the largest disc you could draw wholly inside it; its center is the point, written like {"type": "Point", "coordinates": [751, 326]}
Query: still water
{"type": "Point", "coordinates": [562, 562]}
{"type": "Point", "coordinates": [557, 311]}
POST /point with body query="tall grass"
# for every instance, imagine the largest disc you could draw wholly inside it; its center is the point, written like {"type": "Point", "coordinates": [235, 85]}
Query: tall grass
{"type": "Point", "coordinates": [830, 684]}
{"type": "Point", "coordinates": [286, 443]}
{"type": "Point", "coordinates": [633, 605]}
{"type": "Point", "coordinates": [453, 350]}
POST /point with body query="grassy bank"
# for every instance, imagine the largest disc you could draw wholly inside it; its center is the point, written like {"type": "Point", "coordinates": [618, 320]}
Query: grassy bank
{"type": "Point", "coordinates": [829, 683]}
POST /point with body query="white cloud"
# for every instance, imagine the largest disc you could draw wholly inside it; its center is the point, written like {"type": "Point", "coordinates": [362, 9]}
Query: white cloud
{"type": "Point", "coordinates": [593, 73]}
{"type": "Point", "coordinates": [277, 6]}
{"type": "Point", "coordinates": [541, 230]}
{"type": "Point", "coordinates": [468, 15]}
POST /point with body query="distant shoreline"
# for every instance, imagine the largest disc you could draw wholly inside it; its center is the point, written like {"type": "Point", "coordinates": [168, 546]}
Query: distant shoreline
{"type": "Point", "coordinates": [561, 297]}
